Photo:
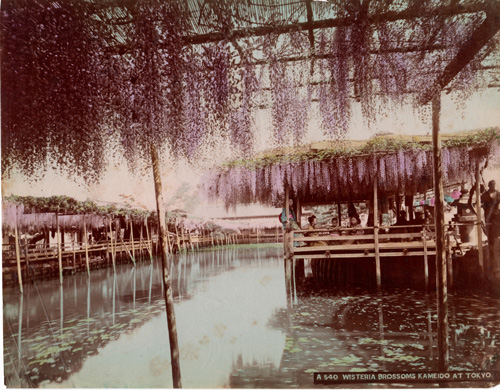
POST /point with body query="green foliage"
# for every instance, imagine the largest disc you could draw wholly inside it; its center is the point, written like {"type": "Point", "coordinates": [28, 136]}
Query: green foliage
{"type": "Point", "coordinates": [480, 139]}
{"type": "Point", "coordinates": [67, 205]}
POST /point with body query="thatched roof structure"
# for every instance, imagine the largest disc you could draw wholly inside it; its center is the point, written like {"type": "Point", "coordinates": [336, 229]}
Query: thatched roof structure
{"type": "Point", "coordinates": [326, 174]}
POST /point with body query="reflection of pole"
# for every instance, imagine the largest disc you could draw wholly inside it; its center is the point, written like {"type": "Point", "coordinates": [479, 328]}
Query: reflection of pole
{"type": "Point", "coordinates": [441, 268]}
{"type": "Point", "coordinates": [133, 284]}
{"type": "Point", "coordinates": [114, 296]}
{"type": "Point", "coordinates": [169, 300]}
{"type": "Point", "coordinates": [150, 282]}
{"type": "Point", "coordinates": [61, 309]}
{"type": "Point", "coordinates": [18, 257]}
{"type": "Point", "coordinates": [88, 305]}
{"type": "Point", "coordinates": [19, 332]}
{"type": "Point", "coordinates": [381, 327]}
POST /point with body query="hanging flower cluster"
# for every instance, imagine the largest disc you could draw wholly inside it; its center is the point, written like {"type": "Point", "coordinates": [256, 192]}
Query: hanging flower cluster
{"type": "Point", "coordinates": [347, 175]}
{"type": "Point", "coordinates": [82, 80]}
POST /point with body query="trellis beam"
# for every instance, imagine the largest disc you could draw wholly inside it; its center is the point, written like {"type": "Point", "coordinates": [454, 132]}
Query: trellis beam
{"type": "Point", "coordinates": [478, 39]}
{"type": "Point", "coordinates": [445, 11]}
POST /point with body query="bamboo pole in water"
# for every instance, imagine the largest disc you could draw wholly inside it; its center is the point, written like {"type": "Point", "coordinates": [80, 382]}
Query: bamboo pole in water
{"type": "Point", "coordinates": [169, 301]}
{"type": "Point", "coordinates": [169, 243]}
{"type": "Point", "coordinates": [150, 243]}
{"type": "Point", "coordinates": [375, 231]}
{"type": "Point", "coordinates": [178, 239]}
{"type": "Point", "coordinates": [18, 257]}
{"type": "Point", "coordinates": [426, 261]}
{"type": "Point", "coordinates": [59, 254]}
{"type": "Point", "coordinates": [132, 240]}
{"type": "Point", "coordinates": [113, 253]}
{"type": "Point", "coordinates": [479, 224]}
{"type": "Point", "coordinates": [86, 246]}
{"type": "Point", "coordinates": [441, 268]}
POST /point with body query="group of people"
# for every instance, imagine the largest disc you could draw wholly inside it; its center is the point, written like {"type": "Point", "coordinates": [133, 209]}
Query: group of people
{"type": "Point", "coordinates": [490, 200]}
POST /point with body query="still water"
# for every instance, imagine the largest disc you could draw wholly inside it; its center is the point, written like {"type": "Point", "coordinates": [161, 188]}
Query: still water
{"type": "Point", "coordinates": [236, 327]}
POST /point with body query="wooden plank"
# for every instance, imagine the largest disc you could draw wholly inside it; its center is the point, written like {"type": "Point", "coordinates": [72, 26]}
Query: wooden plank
{"type": "Point", "coordinates": [361, 255]}
{"type": "Point", "coordinates": [383, 245]}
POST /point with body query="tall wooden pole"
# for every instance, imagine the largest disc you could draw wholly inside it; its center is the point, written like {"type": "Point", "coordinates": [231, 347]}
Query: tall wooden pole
{"type": "Point", "coordinates": [132, 240]}
{"type": "Point", "coordinates": [113, 252]}
{"type": "Point", "coordinates": [288, 247]}
{"type": "Point", "coordinates": [441, 267]}
{"type": "Point", "coordinates": [479, 225]}
{"type": "Point", "coordinates": [298, 214]}
{"type": "Point", "coordinates": [169, 300]}
{"type": "Point", "coordinates": [59, 254]}
{"type": "Point", "coordinates": [18, 257]}
{"type": "Point", "coordinates": [375, 230]}
{"type": "Point", "coordinates": [150, 242]}
{"type": "Point", "coordinates": [86, 246]}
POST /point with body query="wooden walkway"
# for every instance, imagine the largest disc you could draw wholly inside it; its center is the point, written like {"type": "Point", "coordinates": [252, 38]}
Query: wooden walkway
{"type": "Point", "coordinates": [42, 260]}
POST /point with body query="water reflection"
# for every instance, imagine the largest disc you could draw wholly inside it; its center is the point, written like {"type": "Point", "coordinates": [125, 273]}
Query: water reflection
{"type": "Point", "coordinates": [236, 327]}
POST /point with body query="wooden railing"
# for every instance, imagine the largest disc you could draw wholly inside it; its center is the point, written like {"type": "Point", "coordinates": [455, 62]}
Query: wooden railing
{"type": "Point", "coordinates": [36, 252]}
{"type": "Point", "coordinates": [416, 241]}
{"type": "Point", "coordinates": [40, 252]}
{"type": "Point", "coordinates": [349, 244]}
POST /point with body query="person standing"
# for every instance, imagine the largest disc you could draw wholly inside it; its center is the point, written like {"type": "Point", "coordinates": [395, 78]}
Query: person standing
{"type": "Point", "coordinates": [490, 200]}
{"type": "Point", "coordinates": [291, 216]}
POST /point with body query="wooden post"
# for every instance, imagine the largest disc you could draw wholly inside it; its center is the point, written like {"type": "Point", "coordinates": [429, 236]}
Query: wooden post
{"type": "Point", "coordinates": [426, 260]}
{"type": "Point", "coordinates": [448, 259]}
{"type": "Point", "coordinates": [184, 245]}
{"type": "Point", "coordinates": [150, 245]}
{"type": "Point", "coordinates": [288, 248]}
{"type": "Point", "coordinates": [59, 254]}
{"type": "Point", "coordinates": [86, 246]}
{"type": "Point", "coordinates": [169, 300]}
{"type": "Point", "coordinates": [375, 231]}
{"type": "Point", "coordinates": [298, 214]}
{"type": "Point", "coordinates": [442, 290]}
{"type": "Point", "coordinates": [339, 213]}
{"type": "Point", "coordinates": [178, 239]}
{"type": "Point", "coordinates": [479, 224]}
{"type": "Point", "coordinates": [18, 257]}
{"type": "Point", "coordinates": [113, 252]}
{"type": "Point", "coordinates": [132, 240]}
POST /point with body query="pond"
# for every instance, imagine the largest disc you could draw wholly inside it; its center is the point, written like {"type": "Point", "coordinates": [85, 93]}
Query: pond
{"type": "Point", "coordinates": [236, 327]}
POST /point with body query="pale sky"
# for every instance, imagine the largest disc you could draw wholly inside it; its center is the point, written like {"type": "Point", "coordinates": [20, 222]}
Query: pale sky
{"type": "Point", "coordinates": [482, 110]}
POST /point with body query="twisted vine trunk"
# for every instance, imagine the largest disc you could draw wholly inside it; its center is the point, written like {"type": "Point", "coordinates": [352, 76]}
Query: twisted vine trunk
{"type": "Point", "coordinates": [169, 301]}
